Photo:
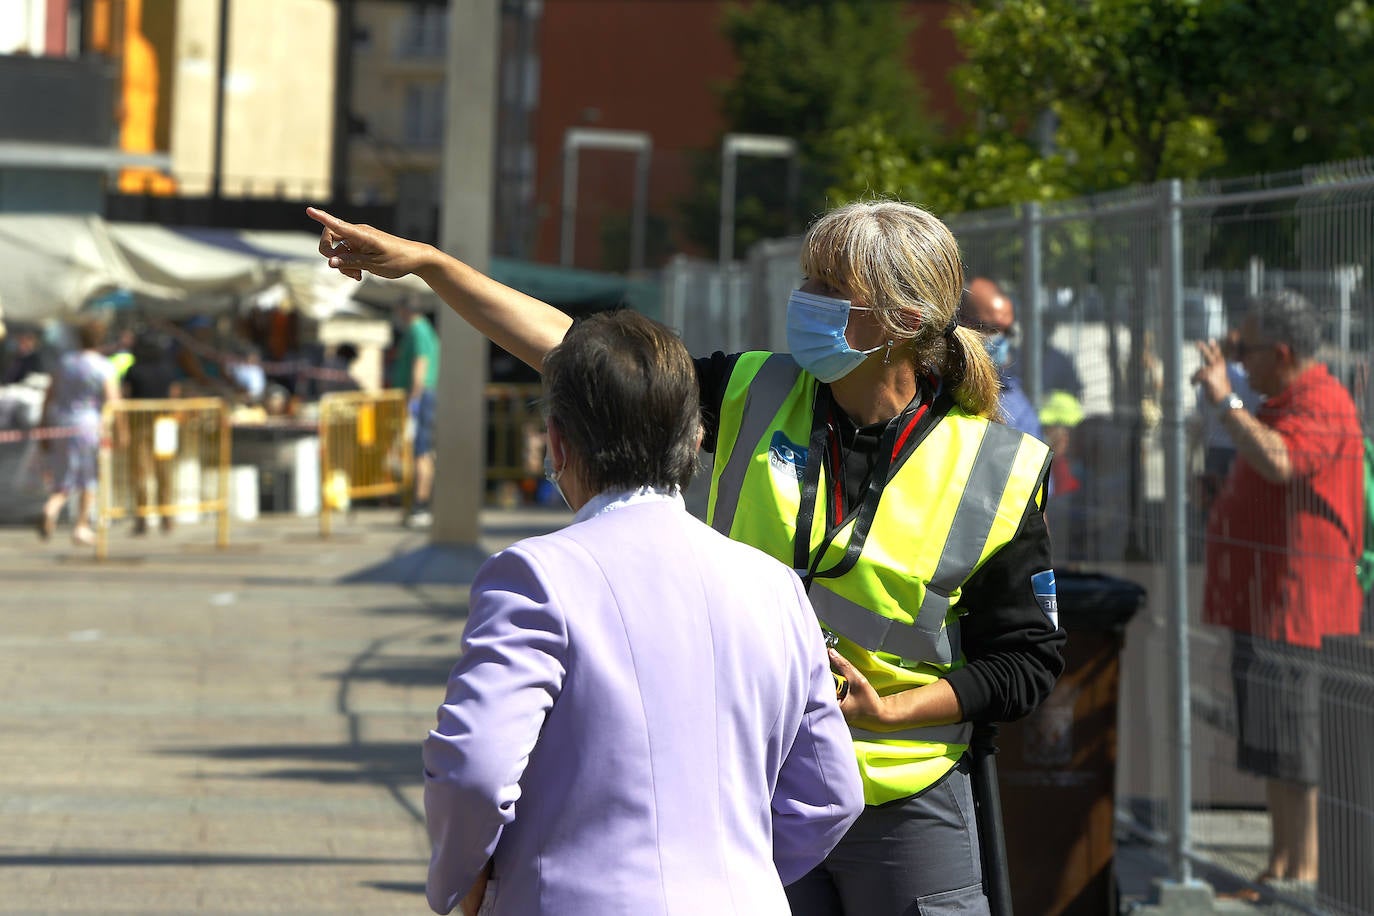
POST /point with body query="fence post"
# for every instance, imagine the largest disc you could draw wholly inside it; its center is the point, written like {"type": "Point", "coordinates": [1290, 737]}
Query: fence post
{"type": "Point", "coordinates": [226, 443]}
{"type": "Point", "coordinates": [105, 481]}
{"type": "Point", "coordinates": [326, 468]}
{"type": "Point", "coordinates": [1175, 521]}
{"type": "Point", "coordinates": [1032, 346]}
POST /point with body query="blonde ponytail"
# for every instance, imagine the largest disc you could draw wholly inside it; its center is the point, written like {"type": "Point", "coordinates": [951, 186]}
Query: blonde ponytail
{"type": "Point", "coordinates": [973, 375]}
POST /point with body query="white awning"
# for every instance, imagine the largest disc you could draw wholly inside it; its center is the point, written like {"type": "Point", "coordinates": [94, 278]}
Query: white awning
{"type": "Point", "coordinates": [58, 263]}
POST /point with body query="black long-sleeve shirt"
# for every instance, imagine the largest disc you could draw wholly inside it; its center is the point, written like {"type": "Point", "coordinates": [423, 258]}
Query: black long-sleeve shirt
{"type": "Point", "coordinates": [1013, 654]}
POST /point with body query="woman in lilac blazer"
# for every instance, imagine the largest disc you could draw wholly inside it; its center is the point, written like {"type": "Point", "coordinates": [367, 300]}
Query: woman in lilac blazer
{"type": "Point", "coordinates": [643, 720]}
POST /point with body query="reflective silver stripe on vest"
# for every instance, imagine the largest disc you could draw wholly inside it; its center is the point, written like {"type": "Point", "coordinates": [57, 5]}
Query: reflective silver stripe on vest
{"type": "Point", "coordinates": [928, 639]}
{"type": "Point", "coordinates": [766, 394]}
{"type": "Point", "coordinates": [958, 733]}
{"type": "Point", "coordinates": [872, 630]}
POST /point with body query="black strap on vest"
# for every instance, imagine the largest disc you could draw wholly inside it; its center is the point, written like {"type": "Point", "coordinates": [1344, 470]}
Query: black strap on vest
{"type": "Point", "coordinates": [898, 430]}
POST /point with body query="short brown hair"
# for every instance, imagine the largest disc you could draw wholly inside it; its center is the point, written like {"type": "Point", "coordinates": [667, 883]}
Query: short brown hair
{"type": "Point", "coordinates": [623, 391]}
{"type": "Point", "coordinates": [90, 332]}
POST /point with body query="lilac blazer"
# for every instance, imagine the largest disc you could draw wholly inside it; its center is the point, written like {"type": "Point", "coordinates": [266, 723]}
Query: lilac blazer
{"type": "Point", "coordinates": [642, 722]}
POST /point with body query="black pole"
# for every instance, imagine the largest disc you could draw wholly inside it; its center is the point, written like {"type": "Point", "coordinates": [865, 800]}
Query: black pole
{"type": "Point", "coordinates": [987, 804]}
{"type": "Point", "coordinates": [343, 103]}
{"type": "Point", "coordinates": [217, 147]}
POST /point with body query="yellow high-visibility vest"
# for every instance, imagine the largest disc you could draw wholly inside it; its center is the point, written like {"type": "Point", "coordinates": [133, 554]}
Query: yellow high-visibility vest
{"type": "Point", "coordinates": [955, 500]}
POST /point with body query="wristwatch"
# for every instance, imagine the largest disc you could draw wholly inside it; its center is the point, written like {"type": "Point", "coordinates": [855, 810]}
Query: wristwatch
{"type": "Point", "coordinates": [1232, 401]}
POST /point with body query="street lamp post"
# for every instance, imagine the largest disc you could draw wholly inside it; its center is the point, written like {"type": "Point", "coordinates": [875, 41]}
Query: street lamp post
{"type": "Point", "coordinates": [630, 141]}
{"type": "Point", "coordinates": [731, 148]}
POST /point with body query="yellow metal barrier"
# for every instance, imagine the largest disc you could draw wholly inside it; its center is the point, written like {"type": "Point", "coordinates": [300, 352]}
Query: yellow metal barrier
{"type": "Point", "coordinates": [163, 458]}
{"type": "Point", "coordinates": [364, 450]}
{"type": "Point", "coordinates": [515, 439]}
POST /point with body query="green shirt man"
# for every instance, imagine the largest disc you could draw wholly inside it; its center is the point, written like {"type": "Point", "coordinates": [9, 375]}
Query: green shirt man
{"type": "Point", "coordinates": [418, 342]}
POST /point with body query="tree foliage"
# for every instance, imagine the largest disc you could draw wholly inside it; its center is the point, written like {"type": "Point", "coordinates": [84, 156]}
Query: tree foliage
{"type": "Point", "coordinates": [807, 69]}
{"type": "Point", "coordinates": [1138, 90]}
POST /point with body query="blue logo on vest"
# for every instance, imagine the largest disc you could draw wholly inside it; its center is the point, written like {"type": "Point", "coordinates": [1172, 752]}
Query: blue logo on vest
{"type": "Point", "coordinates": [1042, 583]}
{"type": "Point", "coordinates": [786, 457]}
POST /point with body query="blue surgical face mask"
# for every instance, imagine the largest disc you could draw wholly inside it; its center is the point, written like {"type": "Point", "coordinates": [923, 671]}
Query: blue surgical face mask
{"type": "Point", "coordinates": [815, 335]}
{"type": "Point", "coordinates": [999, 349]}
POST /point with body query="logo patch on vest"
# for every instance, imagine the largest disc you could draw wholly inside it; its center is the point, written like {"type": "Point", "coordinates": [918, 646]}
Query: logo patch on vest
{"type": "Point", "coordinates": [1042, 583]}
{"type": "Point", "coordinates": [786, 457]}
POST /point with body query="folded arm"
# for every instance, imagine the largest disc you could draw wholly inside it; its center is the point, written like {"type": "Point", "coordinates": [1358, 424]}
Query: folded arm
{"type": "Point", "coordinates": [499, 694]}
{"type": "Point", "coordinates": [818, 792]}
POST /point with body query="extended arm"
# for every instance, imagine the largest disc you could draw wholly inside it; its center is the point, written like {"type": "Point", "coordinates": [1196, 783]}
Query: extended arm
{"type": "Point", "coordinates": [522, 325]}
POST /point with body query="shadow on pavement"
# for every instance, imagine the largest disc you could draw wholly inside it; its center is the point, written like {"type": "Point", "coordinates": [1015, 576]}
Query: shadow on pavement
{"type": "Point", "coordinates": [112, 858]}
{"type": "Point", "coordinates": [432, 564]}
{"type": "Point", "coordinates": [398, 887]}
{"type": "Point", "coordinates": [414, 671]}
{"type": "Point", "coordinates": [443, 610]}
{"type": "Point", "coordinates": [386, 763]}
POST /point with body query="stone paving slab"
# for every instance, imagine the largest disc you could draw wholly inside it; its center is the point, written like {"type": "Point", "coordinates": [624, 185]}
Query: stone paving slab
{"type": "Point", "coordinates": [185, 730]}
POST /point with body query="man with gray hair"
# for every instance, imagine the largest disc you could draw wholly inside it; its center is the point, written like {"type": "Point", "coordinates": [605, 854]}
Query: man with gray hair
{"type": "Point", "coordinates": [1283, 539]}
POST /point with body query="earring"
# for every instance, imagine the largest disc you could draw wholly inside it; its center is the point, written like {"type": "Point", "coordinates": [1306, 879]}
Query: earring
{"type": "Point", "coordinates": [887, 354]}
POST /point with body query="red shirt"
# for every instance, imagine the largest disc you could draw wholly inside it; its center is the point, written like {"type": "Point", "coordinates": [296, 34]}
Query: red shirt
{"type": "Point", "coordinates": [1279, 565]}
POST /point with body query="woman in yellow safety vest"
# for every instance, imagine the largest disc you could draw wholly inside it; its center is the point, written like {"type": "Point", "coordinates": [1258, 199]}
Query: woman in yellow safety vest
{"type": "Point", "coordinates": [870, 459]}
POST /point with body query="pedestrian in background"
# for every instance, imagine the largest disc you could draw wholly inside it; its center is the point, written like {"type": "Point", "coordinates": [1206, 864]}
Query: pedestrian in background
{"type": "Point", "coordinates": [985, 308]}
{"type": "Point", "coordinates": [866, 438]}
{"type": "Point", "coordinates": [152, 377]}
{"type": "Point", "coordinates": [1283, 538]}
{"type": "Point", "coordinates": [643, 718]}
{"type": "Point", "coordinates": [415, 370]}
{"type": "Point", "coordinates": [26, 358]}
{"type": "Point", "coordinates": [82, 384]}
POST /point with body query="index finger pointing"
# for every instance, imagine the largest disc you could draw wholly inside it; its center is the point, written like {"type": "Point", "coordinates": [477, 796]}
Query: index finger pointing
{"type": "Point", "coordinates": [329, 221]}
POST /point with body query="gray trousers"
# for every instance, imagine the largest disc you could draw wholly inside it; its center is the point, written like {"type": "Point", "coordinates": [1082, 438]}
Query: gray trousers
{"type": "Point", "coordinates": [916, 856]}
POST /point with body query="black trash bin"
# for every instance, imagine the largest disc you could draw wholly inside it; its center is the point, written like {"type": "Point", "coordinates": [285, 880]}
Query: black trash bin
{"type": "Point", "coordinates": [1345, 803]}
{"type": "Point", "coordinates": [1057, 767]}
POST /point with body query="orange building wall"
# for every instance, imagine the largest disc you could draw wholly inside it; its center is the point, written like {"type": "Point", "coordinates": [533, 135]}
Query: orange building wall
{"type": "Point", "coordinates": [653, 67]}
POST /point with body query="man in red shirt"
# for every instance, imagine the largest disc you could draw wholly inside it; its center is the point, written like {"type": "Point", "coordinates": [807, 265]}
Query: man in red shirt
{"type": "Point", "coordinates": [1282, 541]}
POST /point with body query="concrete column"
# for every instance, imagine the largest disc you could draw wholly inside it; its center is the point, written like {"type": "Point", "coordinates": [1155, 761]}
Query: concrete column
{"type": "Point", "coordinates": [465, 231]}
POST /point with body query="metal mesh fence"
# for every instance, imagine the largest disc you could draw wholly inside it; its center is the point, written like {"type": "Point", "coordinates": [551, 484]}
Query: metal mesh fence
{"type": "Point", "coordinates": [1238, 753]}
{"type": "Point", "coordinates": [515, 441]}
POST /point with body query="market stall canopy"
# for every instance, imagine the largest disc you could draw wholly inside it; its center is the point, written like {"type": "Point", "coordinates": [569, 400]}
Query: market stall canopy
{"type": "Point", "coordinates": [59, 263]}
{"type": "Point", "coordinates": [578, 291]}
{"type": "Point", "coordinates": [62, 263]}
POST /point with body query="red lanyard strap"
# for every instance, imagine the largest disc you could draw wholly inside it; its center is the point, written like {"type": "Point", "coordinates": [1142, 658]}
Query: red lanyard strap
{"type": "Point", "coordinates": [896, 439]}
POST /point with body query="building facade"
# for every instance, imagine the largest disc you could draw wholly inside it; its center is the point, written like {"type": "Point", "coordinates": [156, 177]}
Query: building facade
{"type": "Point", "coordinates": [59, 92]}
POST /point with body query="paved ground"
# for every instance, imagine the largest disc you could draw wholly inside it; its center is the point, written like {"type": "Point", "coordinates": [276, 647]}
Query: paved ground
{"type": "Point", "coordinates": [184, 730]}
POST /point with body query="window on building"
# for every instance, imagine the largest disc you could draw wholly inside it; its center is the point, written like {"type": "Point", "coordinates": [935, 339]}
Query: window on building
{"type": "Point", "coordinates": [424, 32]}
{"type": "Point", "coordinates": [422, 121]}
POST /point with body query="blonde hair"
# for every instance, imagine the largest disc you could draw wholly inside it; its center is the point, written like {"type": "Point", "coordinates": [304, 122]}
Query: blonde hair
{"type": "Point", "coordinates": [903, 263]}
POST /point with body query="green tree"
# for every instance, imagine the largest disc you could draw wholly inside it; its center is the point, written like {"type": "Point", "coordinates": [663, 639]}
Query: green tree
{"type": "Point", "coordinates": [1137, 90]}
{"type": "Point", "coordinates": [806, 69]}
{"type": "Point", "coordinates": [1121, 77]}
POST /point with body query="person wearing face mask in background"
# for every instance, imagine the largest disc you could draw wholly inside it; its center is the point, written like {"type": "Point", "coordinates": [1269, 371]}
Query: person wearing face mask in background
{"type": "Point", "coordinates": [989, 311]}
{"type": "Point", "coordinates": [923, 542]}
